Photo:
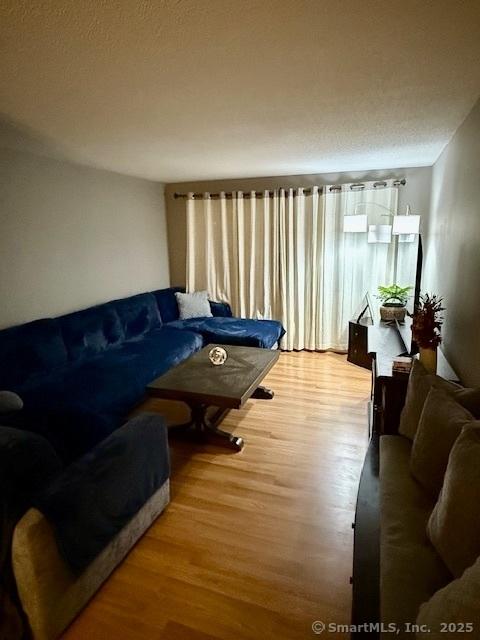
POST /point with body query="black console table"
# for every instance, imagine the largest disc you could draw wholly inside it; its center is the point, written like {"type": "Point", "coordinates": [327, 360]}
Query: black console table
{"type": "Point", "coordinates": [386, 341]}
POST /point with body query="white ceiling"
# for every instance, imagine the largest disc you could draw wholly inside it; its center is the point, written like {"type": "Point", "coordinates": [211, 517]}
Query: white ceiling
{"type": "Point", "coordinates": [195, 89]}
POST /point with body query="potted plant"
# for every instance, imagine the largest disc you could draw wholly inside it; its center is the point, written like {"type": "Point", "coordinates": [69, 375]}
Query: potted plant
{"type": "Point", "coordinates": [394, 298]}
{"type": "Point", "coordinates": [426, 325]}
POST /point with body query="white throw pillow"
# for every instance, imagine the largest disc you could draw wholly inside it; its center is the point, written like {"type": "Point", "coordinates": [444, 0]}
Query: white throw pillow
{"type": "Point", "coordinates": [193, 305]}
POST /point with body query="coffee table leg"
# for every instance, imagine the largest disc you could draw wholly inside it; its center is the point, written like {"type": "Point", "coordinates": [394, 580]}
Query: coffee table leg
{"type": "Point", "coordinates": [262, 393]}
{"type": "Point", "coordinates": [201, 428]}
{"type": "Point", "coordinates": [225, 438]}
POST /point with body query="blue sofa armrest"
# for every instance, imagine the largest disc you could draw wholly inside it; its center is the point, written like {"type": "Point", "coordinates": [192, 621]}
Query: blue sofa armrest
{"type": "Point", "coordinates": [221, 309]}
{"type": "Point", "coordinates": [96, 496]}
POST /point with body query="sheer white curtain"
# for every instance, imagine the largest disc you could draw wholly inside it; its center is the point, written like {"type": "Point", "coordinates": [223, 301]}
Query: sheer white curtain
{"type": "Point", "coordinates": [352, 266]}
{"type": "Point", "coordinates": [286, 257]}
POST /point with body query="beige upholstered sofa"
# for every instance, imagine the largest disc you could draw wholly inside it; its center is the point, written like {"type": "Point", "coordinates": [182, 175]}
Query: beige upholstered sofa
{"type": "Point", "coordinates": [425, 591]}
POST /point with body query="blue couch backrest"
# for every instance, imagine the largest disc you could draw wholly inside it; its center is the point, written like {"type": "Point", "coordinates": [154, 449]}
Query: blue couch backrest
{"type": "Point", "coordinates": [44, 345]}
{"type": "Point", "coordinates": [138, 315]}
{"type": "Point", "coordinates": [167, 303]}
{"type": "Point", "coordinates": [30, 349]}
{"type": "Point", "coordinates": [91, 331]}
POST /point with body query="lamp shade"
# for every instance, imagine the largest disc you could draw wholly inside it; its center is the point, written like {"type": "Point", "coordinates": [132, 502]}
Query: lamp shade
{"type": "Point", "coordinates": [379, 233]}
{"type": "Point", "coordinates": [355, 224]}
{"type": "Point", "coordinates": [406, 225]}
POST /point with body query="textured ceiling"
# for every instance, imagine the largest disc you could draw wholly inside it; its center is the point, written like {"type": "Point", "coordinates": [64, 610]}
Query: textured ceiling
{"type": "Point", "coordinates": [194, 89]}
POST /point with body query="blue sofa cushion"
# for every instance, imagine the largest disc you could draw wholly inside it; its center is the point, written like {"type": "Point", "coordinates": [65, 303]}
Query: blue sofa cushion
{"type": "Point", "coordinates": [220, 309]}
{"type": "Point", "coordinates": [92, 500]}
{"type": "Point", "coordinates": [89, 332]}
{"type": "Point", "coordinates": [138, 315]}
{"type": "Point", "coordinates": [29, 350]}
{"type": "Point", "coordinates": [115, 382]}
{"type": "Point", "coordinates": [72, 430]}
{"type": "Point", "coordinates": [161, 350]}
{"type": "Point", "coordinates": [27, 462]}
{"type": "Point", "coordinates": [234, 331]}
{"type": "Point", "coordinates": [60, 411]}
{"type": "Point", "coordinates": [167, 303]}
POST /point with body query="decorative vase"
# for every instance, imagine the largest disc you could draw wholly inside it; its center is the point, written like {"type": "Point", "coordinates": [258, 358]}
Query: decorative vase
{"type": "Point", "coordinates": [392, 311]}
{"type": "Point", "coordinates": [217, 356]}
{"type": "Point", "coordinates": [428, 357]}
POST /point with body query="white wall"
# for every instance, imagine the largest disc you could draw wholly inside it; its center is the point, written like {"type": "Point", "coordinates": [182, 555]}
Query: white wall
{"type": "Point", "coordinates": [71, 237]}
{"type": "Point", "coordinates": [452, 248]}
{"type": "Point", "coordinates": [416, 193]}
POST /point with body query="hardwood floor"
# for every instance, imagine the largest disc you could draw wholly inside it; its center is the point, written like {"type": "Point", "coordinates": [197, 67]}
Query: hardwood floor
{"type": "Point", "coordinates": [258, 544]}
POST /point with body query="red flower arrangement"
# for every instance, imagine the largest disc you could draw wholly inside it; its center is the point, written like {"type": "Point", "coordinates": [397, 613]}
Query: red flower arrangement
{"type": "Point", "coordinates": [427, 321]}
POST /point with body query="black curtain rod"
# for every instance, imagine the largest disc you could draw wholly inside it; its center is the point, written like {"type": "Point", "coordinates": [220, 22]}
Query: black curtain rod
{"type": "Point", "coordinates": [259, 194]}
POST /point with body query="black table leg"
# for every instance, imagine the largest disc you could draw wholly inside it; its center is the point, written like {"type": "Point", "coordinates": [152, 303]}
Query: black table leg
{"type": "Point", "coordinates": [262, 393]}
{"type": "Point", "coordinates": [202, 429]}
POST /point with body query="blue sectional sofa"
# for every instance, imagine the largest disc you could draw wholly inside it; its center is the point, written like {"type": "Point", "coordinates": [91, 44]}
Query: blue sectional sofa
{"type": "Point", "coordinates": [79, 375]}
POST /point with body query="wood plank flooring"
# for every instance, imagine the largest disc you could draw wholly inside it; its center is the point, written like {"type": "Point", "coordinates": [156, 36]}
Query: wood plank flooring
{"type": "Point", "coordinates": [254, 545]}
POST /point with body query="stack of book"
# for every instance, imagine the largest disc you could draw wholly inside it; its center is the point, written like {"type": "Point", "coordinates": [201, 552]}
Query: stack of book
{"type": "Point", "coordinates": [402, 364]}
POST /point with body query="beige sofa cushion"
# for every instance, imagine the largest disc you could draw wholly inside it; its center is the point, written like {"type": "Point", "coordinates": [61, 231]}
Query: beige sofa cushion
{"type": "Point", "coordinates": [454, 526]}
{"type": "Point", "coordinates": [456, 604]}
{"type": "Point", "coordinates": [440, 424]}
{"type": "Point", "coordinates": [410, 569]}
{"type": "Point", "coordinates": [419, 384]}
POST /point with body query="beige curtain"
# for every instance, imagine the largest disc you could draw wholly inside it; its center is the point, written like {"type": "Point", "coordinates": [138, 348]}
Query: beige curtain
{"type": "Point", "coordinates": [260, 255]}
{"type": "Point", "coordinates": [286, 257]}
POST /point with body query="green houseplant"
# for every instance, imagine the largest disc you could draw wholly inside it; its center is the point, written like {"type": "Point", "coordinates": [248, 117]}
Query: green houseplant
{"type": "Point", "coordinates": [393, 298]}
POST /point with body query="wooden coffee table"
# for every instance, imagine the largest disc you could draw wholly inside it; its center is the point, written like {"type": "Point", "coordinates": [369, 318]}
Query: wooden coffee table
{"type": "Point", "coordinates": [202, 385]}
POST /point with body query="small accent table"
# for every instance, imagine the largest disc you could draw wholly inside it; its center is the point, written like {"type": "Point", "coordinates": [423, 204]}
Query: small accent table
{"type": "Point", "coordinates": [202, 385]}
